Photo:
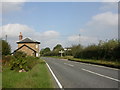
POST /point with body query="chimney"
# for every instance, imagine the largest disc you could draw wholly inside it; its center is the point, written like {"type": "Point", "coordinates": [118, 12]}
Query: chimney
{"type": "Point", "coordinates": [20, 36]}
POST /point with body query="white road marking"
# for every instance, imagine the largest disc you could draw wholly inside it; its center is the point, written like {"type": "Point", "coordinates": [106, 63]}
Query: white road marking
{"type": "Point", "coordinates": [59, 84]}
{"type": "Point", "coordinates": [103, 67]}
{"type": "Point", "coordinates": [76, 62]}
{"type": "Point", "coordinates": [69, 64]}
{"type": "Point", "coordinates": [99, 66]}
{"type": "Point", "coordinates": [100, 75]}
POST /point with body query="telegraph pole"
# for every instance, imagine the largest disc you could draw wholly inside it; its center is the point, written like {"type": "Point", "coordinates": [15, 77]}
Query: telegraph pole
{"type": "Point", "coordinates": [6, 38]}
{"type": "Point", "coordinates": [79, 39]}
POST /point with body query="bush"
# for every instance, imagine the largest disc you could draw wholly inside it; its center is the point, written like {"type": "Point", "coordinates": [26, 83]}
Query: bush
{"type": "Point", "coordinates": [20, 61]}
{"type": "Point", "coordinates": [26, 63]}
{"type": "Point", "coordinates": [19, 54]}
{"type": "Point", "coordinates": [104, 50]}
{"type": "Point", "coordinates": [6, 59]}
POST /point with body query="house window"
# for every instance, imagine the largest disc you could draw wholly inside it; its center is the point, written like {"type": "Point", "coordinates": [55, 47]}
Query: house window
{"type": "Point", "coordinates": [36, 46]}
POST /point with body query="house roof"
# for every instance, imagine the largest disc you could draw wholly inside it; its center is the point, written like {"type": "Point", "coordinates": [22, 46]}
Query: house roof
{"type": "Point", "coordinates": [27, 40]}
{"type": "Point", "coordinates": [25, 46]}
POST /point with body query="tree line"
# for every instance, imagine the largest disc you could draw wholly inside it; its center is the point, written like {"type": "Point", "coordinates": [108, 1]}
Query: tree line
{"type": "Point", "coordinates": [104, 50]}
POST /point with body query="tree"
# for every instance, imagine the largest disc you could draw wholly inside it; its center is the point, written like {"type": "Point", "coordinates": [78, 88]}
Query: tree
{"type": "Point", "coordinates": [58, 47]}
{"type": "Point", "coordinates": [46, 50]}
{"type": "Point", "coordinates": [6, 48]}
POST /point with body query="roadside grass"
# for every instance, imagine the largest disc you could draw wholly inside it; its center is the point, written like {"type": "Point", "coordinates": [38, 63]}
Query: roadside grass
{"type": "Point", "coordinates": [104, 62]}
{"type": "Point", "coordinates": [38, 77]}
{"type": "Point", "coordinates": [64, 57]}
{"type": "Point", "coordinates": [115, 64]}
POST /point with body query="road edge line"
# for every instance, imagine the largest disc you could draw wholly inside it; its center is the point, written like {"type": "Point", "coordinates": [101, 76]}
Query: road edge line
{"type": "Point", "coordinates": [59, 84]}
{"type": "Point", "coordinates": [101, 75]}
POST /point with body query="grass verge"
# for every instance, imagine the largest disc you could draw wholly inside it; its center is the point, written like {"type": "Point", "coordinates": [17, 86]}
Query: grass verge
{"type": "Point", "coordinates": [64, 57]}
{"type": "Point", "coordinates": [107, 63]}
{"type": "Point", "coordinates": [38, 77]}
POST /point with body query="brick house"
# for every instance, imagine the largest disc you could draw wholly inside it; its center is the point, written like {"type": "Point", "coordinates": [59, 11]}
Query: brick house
{"type": "Point", "coordinates": [29, 46]}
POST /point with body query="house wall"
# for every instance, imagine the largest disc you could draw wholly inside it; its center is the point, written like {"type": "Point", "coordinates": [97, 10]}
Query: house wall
{"type": "Point", "coordinates": [32, 45]}
{"type": "Point", "coordinates": [27, 51]}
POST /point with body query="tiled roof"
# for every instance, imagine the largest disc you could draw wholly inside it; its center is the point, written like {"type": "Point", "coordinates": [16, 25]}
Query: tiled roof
{"type": "Point", "coordinates": [28, 40]}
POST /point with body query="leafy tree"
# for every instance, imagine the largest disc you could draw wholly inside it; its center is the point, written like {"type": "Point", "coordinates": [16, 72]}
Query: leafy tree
{"type": "Point", "coordinates": [58, 47]}
{"type": "Point", "coordinates": [46, 50]}
{"type": "Point", "coordinates": [6, 48]}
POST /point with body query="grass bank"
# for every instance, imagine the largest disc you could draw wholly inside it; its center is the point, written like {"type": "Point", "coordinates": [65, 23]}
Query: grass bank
{"type": "Point", "coordinates": [108, 63]}
{"type": "Point", "coordinates": [64, 57]}
{"type": "Point", "coordinates": [38, 77]}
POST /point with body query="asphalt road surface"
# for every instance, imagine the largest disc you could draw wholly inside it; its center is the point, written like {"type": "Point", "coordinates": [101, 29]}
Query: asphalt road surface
{"type": "Point", "coordinates": [80, 75]}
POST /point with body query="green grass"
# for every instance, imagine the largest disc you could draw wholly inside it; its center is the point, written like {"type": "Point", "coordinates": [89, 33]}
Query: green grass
{"type": "Point", "coordinates": [38, 77]}
{"type": "Point", "coordinates": [107, 62]}
{"type": "Point", "coordinates": [64, 57]}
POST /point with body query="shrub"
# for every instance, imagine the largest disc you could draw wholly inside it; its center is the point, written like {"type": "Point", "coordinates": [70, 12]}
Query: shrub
{"type": "Point", "coordinates": [6, 59]}
{"type": "Point", "coordinates": [108, 50]}
{"type": "Point", "coordinates": [17, 64]}
{"type": "Point", "coordinates": [26, 63]}
{"type": "Point", "coordinates": [19, 54]}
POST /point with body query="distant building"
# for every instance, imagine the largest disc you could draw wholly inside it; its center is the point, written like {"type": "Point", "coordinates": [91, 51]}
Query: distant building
{"type": "Point", "coordinates": [29, 46]}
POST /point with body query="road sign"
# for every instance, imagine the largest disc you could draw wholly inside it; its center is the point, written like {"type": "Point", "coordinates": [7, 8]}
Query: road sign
{"type": "Point", "coordinates": [61, 52]}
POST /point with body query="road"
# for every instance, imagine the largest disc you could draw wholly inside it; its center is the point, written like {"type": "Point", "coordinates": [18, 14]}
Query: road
{"type": "Point", "coordinates": [80, 75]}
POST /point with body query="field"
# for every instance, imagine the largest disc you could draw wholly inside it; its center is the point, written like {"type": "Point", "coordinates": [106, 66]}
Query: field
{"type": "Point", "coordinates": [38, 77]}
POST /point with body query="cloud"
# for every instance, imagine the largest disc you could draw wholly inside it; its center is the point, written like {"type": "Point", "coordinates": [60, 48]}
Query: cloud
{"type": "Point", "coordinates": [101, 27]}
{"type": "Point", "coordinates": [47, 38]}
{"type": "Point", "coordinates": [84, 40]}
{"type": "Point", "coordinates": [11, 5]}
{"type": "Point", "coordinates": [109, 6]}
{"type": "Point", "coordinates": [104, 20]}
{"type": "Point", "coordinates": [50, 34]}
{"type": "Point", "coordinates": [13, 30]}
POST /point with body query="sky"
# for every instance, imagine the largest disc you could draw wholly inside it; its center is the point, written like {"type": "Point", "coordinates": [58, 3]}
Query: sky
{"type": "Point", "coordinates": [66, 23]}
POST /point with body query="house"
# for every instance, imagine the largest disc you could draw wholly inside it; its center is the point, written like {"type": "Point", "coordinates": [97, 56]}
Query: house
{"type": "Point", "coordinates": [29, 46]}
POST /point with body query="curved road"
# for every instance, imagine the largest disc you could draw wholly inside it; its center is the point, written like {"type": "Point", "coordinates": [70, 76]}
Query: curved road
{"type": "Point", "coordinates": [79, 75]}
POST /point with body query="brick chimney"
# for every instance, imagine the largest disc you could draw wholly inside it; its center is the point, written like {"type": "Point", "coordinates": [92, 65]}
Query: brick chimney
{"type": "Point", "coordinates": [20, 36]}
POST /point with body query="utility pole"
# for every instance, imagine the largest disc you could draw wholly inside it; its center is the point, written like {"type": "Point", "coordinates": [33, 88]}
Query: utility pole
{"type": "Point", "coordinates": [79, 39]}
{"type": "Point", "coordinates": [6, 38]}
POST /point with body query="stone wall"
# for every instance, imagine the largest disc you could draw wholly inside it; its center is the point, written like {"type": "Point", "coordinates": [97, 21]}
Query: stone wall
{"type": "Point", "coordinates": [27, 51]}
{"type": "Point", "coordinates": [34, 46]}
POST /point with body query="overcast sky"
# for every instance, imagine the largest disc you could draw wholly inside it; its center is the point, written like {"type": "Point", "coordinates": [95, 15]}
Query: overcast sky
{"type": "Point", "coordinates": [59, 22]}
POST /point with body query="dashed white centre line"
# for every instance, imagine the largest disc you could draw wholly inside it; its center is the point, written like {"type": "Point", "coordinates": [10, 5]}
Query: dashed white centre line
{"type": "Point", "coordinates": [69, 64]}
{"type": "Point", "coordinates": [100, 75]}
